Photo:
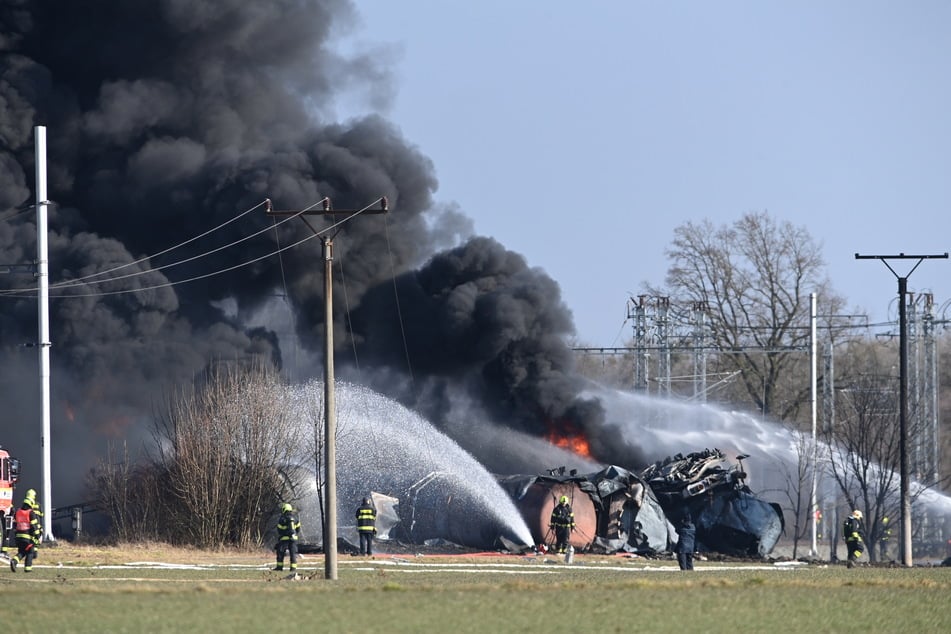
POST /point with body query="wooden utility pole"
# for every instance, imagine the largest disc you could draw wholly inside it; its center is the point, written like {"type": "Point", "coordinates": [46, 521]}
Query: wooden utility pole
{"type": "Point", "coordinates": [330, 408]}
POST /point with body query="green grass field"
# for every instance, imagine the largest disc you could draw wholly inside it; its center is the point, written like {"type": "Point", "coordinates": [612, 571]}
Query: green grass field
{"type": "Point", "coordinates": [117, 590]}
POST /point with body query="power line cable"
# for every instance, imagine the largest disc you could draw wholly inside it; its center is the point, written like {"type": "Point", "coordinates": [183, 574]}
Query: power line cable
{"type": "Point", "coordinates": [429, 441]}
{"type": "Point", "coordinates": [30, 292]}
{"type": "Point", "coordinates": [287, 303]}
{"type": "Point", "coordinates": [155, 255]}
{"type": "Point", "coordinates": [620, 330]}
{"type": "Point", "coordinates": [346, 309]}
{"type": "Point", "coordinates": [199, 277]}
{"type": "Point", "coordinates": [71, 283]}
{"type": "Point", "coordinates": [87, 278]}
{"type": "Point", "coordinates": [396, 297]}
{"type": "Point", "coordinates": [190, 279]}
{"type": "Point", "coordinates": [13, 212]}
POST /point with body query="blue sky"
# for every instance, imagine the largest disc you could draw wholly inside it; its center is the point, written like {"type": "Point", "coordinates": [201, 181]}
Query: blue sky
{"type": "Point", "coordinates": [581, 134]}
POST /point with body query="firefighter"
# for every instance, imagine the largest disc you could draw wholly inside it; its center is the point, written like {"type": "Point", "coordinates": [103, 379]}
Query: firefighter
{"type": "Point", "coordinates": [366, 526]}
{"type": "Point", "coordinates": [562, 522]}
{"type": "Point", "coordinates": [854, 533]}
{"type": "Point", "coordinates": [886, 535]}
{"type": "Point", "coordinates": [687, 542]}
{"type": "Point", "coordinates": [30, 498]}
{"type": "Point", "coordinates": [28, 532]}
{"type": "Point", "coordinates": [288, 529]}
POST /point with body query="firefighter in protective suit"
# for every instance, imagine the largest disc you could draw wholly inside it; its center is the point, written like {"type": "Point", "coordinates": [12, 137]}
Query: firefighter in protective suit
{"type": "Point", "coordinates": [288, 529]}
{"type": "Point", "coordinates": [366, 526]}
{"type": "Point", "coordinates": [562, 522]}
{"type": "Point", "coordinates": [854, 533]}
{"type": "Point", "coordinates": [30, 498]}
{"type": "Point", "coordinates": [28, 532]}
{"type": "Point", "coordinates": [885, 536]}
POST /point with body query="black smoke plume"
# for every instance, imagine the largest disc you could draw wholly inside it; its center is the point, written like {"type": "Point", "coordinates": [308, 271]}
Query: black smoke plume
{"type": "Point", "coordinates": [170, 117]}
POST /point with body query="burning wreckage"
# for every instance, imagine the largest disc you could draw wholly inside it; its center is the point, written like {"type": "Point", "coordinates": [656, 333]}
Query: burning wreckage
{"type": "Point", "coordinates": [730, 519]}
{"type": "Point", "coordinates": [618, 510]}
{"type": "Point", "coordinates": [615, 510]}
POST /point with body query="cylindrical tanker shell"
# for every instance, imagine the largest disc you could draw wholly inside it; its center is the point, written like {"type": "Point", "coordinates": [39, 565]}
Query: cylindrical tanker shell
{"type": "Point", "coordinates": [542, 497]}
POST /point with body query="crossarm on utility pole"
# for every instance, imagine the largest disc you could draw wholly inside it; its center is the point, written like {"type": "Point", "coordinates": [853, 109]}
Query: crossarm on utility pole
{"type": "Point", "coordinates": [330, 410]}
{"type": "Point", "coordinates": [905, 475]}
{"type": "Point", "coordinates": [326, 209]}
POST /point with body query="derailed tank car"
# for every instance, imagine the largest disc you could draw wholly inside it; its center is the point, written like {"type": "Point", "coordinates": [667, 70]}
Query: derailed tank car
{"type": "Point", "coordinates": [619, 510]}
{"type": "Point", "coordinates": [614, 509]}
{"type": "Point", "coordinates": [536, 496]}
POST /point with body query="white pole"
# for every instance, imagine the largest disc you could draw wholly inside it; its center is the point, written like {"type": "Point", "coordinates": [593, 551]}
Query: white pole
{"type": "Point", "coordinates": [42, 274]}
{"type": "Point", "coordinates": [813, 506]}
{"type": "Point", "coordinates": [330, 419]}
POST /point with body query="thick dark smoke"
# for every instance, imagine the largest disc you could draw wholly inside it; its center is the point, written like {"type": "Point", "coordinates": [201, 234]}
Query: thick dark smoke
{"type": "Point", "coordinates": [169, 117]}
{"type": "Point", "coordinates": [484, 328]}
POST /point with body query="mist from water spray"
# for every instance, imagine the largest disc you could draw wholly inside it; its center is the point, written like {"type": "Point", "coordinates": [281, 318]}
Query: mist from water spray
{"type": "Point", "coordinates": [383, 447]}
{"type": "Point", "coordinates": [663, 428]}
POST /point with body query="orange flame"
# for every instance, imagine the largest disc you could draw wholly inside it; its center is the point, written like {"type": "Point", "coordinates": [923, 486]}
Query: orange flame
{"type": "Point", "coordinates": [575, 442]}
{"type": "Point", "coordinates": [108, 423]}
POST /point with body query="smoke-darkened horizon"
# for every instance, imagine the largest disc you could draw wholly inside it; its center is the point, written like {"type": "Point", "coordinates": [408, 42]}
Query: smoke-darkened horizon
{"type": "Point", "coordinates": [169, 118]}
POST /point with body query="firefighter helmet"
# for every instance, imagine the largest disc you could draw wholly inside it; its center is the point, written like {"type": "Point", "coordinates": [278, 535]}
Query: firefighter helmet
{"type": "Point", "coordinates": [31, 494]}
{"type": "Point", "coordinates": [857, 514]}
{"type": "Point", "coordinates": [563, 499]}
{"type": "Point", "coordinates": [366, 500]}
{"type": "Point", "coordinates": [286, 508]}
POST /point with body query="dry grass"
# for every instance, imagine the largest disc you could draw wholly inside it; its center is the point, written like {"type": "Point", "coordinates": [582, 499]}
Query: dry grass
{"type": "Point", "coordinates": [68, 553]}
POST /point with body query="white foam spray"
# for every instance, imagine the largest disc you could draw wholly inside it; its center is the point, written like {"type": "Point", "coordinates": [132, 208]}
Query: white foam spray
{"type": "Point", "coordinates": [663, 428]}
{"type": "Point", "coordinates": [384, 447]}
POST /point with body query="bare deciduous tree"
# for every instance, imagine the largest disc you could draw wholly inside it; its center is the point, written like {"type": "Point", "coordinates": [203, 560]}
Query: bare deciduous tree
{"type": "Point", "coordinates": [864, 450]}
{"type": "Point", "coordinates": [129, 496]}
{"type": "Point", "coordinates": [224, 446]}
{"type": "Point", "coordinates": [797, 488]}
{"type": "Point", "coordinates": [756, 275]}
{"type": "Point", "coordinates": [222, 449]}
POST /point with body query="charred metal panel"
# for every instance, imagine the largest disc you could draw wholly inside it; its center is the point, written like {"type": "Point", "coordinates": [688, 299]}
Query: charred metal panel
{"type": "Point", "coordinates": [631, 519]}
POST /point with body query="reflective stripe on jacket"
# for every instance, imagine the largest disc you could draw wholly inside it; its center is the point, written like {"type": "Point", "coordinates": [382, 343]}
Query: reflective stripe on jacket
{"type": "Point", "coordinates": [287, 527]}
{"type": "Point", "coordinates": [366, 519]}
{"type": "Point", "coordinates": [852, 530]}
{"type": "Point", "coordinates": [562, 517]}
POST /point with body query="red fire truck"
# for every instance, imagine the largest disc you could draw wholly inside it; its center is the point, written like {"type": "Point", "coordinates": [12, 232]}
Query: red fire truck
{"type": "Point", "coordinates": [9, 472]}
